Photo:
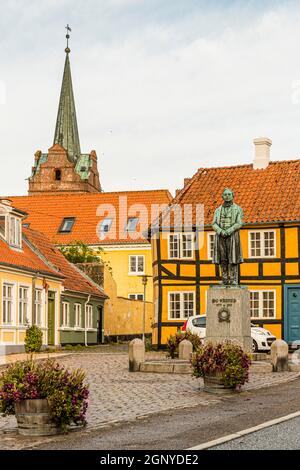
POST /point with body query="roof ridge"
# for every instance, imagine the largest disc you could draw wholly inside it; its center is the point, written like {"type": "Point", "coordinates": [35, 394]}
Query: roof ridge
{"type": "Point", "coordinates": [164, 190]}
{"type": "Point", "coordinates": [247, 164]}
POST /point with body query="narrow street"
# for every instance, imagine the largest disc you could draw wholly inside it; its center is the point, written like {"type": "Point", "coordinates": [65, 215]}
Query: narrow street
{"type": "Point", "coordinates": [185, 428]}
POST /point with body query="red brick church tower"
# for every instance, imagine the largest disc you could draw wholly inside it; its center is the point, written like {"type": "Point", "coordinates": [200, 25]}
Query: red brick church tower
{"type": "Point", "coordinates": [64, 168]}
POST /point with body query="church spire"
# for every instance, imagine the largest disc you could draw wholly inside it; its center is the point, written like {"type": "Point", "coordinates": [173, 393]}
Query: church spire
{"type": "Point", "coordinates": [66, 130]}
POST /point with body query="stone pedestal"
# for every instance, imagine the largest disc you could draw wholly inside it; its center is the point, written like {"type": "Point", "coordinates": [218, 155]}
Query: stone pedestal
{"type": "Point", "coordinates": [228, 316]}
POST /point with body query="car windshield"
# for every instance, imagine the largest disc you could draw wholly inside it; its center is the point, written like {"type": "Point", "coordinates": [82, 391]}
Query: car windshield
{"type": "Point", "coordinates": [199, 322]}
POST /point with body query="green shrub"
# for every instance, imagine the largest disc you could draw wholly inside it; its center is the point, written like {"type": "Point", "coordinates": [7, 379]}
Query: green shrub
{"type": "Point", "coordinates": [174, 340]}
{"type": "Point", "coordinates": [33, 339]}
{"type": "Point", "coordinates": [226, 359]}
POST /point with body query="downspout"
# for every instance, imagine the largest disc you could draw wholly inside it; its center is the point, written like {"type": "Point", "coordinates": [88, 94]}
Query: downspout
{"type": "Point", "coordinates": [85, 328]}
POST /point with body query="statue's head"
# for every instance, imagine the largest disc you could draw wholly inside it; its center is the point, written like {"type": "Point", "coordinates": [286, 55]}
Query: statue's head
{"type": "Point", "coordinates": [228, 195]}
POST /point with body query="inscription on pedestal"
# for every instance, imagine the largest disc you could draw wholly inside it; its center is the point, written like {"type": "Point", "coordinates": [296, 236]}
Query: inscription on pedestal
{"type": "Point", "coordinates": [228, 316]}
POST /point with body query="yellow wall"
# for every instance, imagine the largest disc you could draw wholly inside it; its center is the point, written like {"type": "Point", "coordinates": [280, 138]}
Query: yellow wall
{"type": "Point", "coordinates": [14, 334]}
{"type": "Point", "coordinates": [121, 315]}
{"type": "Point", "coordinates": [118, 260]}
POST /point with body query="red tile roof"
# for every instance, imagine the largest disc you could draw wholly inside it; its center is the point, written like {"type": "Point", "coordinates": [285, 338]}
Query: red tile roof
{"type": "Point", "coordinates": [268, 195]}
{"type": "Point", "coordinates": [74, 280]}
{"type": "Point", "coordinates": [46, 213]}
{"type": "Point", "coordinates": [25, 259]}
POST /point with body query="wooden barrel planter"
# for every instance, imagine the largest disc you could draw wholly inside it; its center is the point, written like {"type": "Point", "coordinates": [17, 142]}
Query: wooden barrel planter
{"type": "Point", "coordinates": [33, 418]}
{"type": "Point", "coordinates": [213, 384]}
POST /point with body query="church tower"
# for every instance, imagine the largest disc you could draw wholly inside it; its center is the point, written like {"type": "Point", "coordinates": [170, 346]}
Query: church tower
{"type": "Point", "coordinates": [64, 169]}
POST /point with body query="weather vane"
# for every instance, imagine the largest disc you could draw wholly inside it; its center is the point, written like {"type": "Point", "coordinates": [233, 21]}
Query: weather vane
{"type": "Point", "coordinates": [68, 37]}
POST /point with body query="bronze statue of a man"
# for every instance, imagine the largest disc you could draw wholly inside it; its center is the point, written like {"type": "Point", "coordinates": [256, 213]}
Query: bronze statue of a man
{"type": "Point", "coordinates": [228, 219]}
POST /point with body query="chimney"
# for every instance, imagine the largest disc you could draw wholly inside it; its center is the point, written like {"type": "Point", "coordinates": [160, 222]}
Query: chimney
{"type": "Point", "coordinates": [262, 153]}
{"type": "Point", "coordinates": [186, 181]}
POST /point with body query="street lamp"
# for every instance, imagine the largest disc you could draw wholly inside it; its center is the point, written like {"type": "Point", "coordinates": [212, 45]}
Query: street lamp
{"type": "Point", "coordinates": [144, 282]}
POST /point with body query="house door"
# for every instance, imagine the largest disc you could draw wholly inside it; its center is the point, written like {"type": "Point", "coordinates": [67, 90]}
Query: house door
{"type": "Point", "coordinates": [51, 318]}
{"type": "Point", "coordinates": [100, 326]}
{"type": "Point", "coordinates": [292, 313]}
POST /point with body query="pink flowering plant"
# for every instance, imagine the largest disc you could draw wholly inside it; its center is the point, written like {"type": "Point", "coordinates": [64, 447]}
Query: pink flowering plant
{"type": "Point", "coordinates": [227, 360]}
{"type": "Point", "coordinates": [174, 340]}
{"type": "Point", "coordinates": [65, 390]}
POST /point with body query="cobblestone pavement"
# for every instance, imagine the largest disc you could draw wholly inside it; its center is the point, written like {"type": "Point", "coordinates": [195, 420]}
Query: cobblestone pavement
{"type": "Point", "coordinates": [120, 396]}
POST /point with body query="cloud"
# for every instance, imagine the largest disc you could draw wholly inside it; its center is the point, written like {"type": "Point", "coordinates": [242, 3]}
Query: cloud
{"type": "Point", "coordinates": [161, 88]}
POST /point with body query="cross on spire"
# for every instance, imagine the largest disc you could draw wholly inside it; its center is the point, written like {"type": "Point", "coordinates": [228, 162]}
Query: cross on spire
{"type": "Point", "coordinates": [68, 37]}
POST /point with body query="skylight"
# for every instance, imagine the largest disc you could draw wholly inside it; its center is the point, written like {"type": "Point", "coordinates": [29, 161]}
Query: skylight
{"type": "Point", "coordinates": [67, 224]}
{"type": "Point", "coordinates": [131, 224]}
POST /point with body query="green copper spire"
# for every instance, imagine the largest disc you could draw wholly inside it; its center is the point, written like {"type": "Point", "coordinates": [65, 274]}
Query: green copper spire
{"type": "Point", "coordinates": [66, 130]}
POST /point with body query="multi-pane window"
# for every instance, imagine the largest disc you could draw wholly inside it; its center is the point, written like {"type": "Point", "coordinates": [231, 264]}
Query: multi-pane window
{"type": "Point", "coordinates": [131, 224]}
{"type": "Point", "coordinates": [262, 244]}
{"type": "Point", "coordinates": [181, 304]}
{"type": "Point", "coordinates": [269, 243]}
{"type": "Point", "coordinates": [136, 296]}
{"type": "Point", "coordinates": [262, 304]}
{"type": "Point", "coordinates": [174, 245]}
{"type": "Point", "coordinates": [7, 304]}
{"type": "Point", "coordinates": [65, 314]}
{"type": "Point", "coordinates": [187, 245]}
{"type": "Point", "coordinates": [210, 245]}
{"type": "Point", "coordinates": [136, 264]}
{"type": "Point", "coordinates": [77, 311]}
{"type": "Point", "coordinates": [89, 316]}
{"type": "Point", "coordinates": [38, 306]}
{"type": "Point", "coordinates": [254, 304]}
{"type": "Point", "coordinates": [181, 245]}
{"type": "Point", "coordinates": [15, 231]}
{"type": "Point", "coordinates": [23, 305]}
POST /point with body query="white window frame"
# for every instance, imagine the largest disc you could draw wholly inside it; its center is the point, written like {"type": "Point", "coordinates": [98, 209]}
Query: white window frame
{"type": "Point", "coordinates": [135, 297]}
{"type": "Point", "coordinates": [180, 236]}
{"type": "Point", "coordinates": [210, 234]}
{"type": "Point", "coordinates": [15, 231]}
{"type": "Point", "coordinates": [260, 304]}
{"type": "Point", "coordinates": [136, 273]}
{"type": "Point", "coordinates": [262, 244]}
{"type": "Point", "coordinates": [22, 301]}
{"type": "Point", "coordinates": [12, 300]}
{"type": "Point", "coordinates": [77, 315]}
{"type": "Point", "coordinates": [89, 314]}
{"type": "Point", "coordinates": [65, 320]}
{"type": "Point", "coordinates": [181, 293]}
{"type": "Point", "coordinates": [38, 303]}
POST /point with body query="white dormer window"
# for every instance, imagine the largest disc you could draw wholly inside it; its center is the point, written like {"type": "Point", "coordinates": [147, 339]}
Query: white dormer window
{"type": "Point", "coordinates": [15, 231]}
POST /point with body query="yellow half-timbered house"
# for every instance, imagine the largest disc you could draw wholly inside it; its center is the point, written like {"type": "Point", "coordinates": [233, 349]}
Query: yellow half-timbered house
{"type": "Point", "coordinates": [269, 193]}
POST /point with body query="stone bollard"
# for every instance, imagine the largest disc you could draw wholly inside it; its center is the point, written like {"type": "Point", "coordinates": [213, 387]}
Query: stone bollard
{"type": "Point", "coordinates": [136, 354]}
{"type": "Point", "coordinates": [185, 349]}
{"type": "Point", "coordinates": [280, 356]}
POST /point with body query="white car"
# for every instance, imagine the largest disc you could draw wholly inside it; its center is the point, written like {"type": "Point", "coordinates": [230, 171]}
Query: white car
{"type": "Point", "coordinates": [262, 338]}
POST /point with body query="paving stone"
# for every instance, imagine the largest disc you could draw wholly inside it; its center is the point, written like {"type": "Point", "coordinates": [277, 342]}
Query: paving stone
{"type": "Point", "coordinates": [118, 395]}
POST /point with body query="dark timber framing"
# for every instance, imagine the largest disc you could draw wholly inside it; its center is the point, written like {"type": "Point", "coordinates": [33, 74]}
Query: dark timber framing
{"type": "Point", "coordinates": [166, 278]}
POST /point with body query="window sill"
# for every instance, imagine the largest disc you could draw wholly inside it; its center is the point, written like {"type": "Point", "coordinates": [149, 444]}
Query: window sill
{"type": "Point", "coordinates": [78, 328]}
{"type": "Point", "coordinates": [66, 328]}
{"type": "Point", "coordinates": [137, 274]}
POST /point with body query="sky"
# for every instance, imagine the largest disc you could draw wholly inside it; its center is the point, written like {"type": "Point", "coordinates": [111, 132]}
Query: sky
{"type": "Point", "coordinates": [162, 87]}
